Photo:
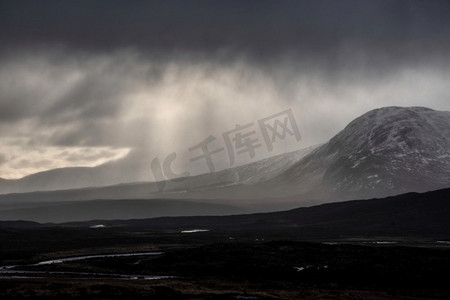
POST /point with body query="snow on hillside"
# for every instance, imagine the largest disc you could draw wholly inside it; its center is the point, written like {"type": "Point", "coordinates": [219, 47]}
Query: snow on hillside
{"type": "Point", "coordinates": [386, 151]}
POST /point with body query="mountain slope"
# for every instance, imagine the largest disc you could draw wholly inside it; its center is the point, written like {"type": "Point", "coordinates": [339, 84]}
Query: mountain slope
{"type": "Point", "coordinates": [384, 152]}
{"type": "Point", "coordinates": [80, 178]}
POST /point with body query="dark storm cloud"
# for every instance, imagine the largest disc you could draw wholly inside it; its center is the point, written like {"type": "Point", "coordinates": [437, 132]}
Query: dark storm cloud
{"type": "Point", "coordinates": [259, 27]}
{"type": "Point", "coordinates": [160, 76]}
{"type": "Point", "coordinates": [88, 99]}
{"type": "Point", "coordinates": [81, 94]}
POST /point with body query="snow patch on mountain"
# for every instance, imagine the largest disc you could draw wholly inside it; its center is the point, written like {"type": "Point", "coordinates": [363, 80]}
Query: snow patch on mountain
{"type": "Point", "coordinates": [386, 151]}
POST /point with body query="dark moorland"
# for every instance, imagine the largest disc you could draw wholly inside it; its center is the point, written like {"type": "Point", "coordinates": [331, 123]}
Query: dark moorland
{"type": "Point", "coordinates": [388, 248]}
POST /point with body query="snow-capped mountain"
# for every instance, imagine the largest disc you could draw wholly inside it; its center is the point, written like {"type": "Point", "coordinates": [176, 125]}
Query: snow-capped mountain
{"type": "Point", "coordinates": [386, 151]}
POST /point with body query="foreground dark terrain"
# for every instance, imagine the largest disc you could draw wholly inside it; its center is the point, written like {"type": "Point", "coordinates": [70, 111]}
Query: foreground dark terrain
{"type": "Point", "coordinates": [273, 270]}
{"type": "Point", "coordinates": [373, 249]}
{"type": "Point", "coordinates": [240, 268]}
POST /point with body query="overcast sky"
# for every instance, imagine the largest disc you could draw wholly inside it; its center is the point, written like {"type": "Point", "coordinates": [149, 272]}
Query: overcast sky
{"type": "Point", "coordinates": [86, 82]}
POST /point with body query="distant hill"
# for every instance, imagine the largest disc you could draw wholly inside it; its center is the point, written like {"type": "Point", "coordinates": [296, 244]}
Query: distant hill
{"type": "Point", "coordinates": [403, 215]}
{"type": "Point", "coordinates": [423, 215]}
{"type": "Point", "coordinates": [136, 169]}
{"type": "Point", "coordinates": [64, 211]}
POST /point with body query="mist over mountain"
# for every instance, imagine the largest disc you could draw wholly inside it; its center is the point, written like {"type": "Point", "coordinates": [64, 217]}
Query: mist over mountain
{"type": "Point", "coordinates": [125, 170]}
{"type": "Point", "coordinates": [137, 168]}
{"type": "Point", "coordinates": [385, 152]}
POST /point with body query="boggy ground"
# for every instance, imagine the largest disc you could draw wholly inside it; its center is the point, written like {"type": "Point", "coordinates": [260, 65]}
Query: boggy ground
{"type": "Point", "coordinates": [212, 266]}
